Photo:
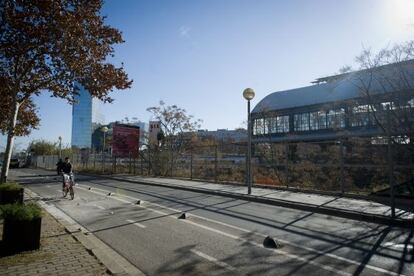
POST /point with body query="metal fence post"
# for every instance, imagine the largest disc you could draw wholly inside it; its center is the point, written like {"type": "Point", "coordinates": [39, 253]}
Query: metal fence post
{"type": "Point", "coordinates": [103, 162]}
{"type": "Point", "coordinates": [141, 163]}
{"type": "Point", "coordinates": [341, 157]}
{"type": "Point", "coordinates": [216, 163]}
{"type": "Point", "coordinates": [172, 162]}
{"type": "Point", "coordinates": [149, 161]}
{"type": "Point", "coordinates": [287, 165]}
{"type": "Point", "coordinates": [111, 163]}
{"type": "Point", "coordinates": [135, 165]}
{"type": "Point", "coordinates": [130, 164]}
{"type": "Point", "coordinates": [191, 163]}
{"type": "Point", "coordinates": [246, 174]}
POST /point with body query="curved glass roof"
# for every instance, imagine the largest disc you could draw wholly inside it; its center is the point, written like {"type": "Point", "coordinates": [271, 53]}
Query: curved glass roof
{"type": "Point", "coordinates": [385, 79]}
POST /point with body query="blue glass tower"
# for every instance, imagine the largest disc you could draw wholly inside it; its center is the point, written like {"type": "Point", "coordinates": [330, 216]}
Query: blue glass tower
{"type": "Point", "coordinates": [85, 117]}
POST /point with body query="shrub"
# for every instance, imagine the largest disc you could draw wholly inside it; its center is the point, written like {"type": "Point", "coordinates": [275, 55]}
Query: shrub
{"type": "Point", "coordinates": [10, 186]}
{"type": "Point", "coordinates": [20, 211]}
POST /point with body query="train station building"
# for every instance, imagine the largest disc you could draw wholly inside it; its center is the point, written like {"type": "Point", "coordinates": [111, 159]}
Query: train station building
{"type": "Point", "coordinates": [350, 104]}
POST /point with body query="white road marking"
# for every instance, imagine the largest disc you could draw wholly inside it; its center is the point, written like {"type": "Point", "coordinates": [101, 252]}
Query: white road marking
{"type": "Point", "coordinates": [398, 245]}
{"type": "Point", "coordinates": [324, 253]}
{"type": "Point", "coordinates": [122, 200]}
{"type": "Point", "coordinates": [100, 207]}
{"type": "Point", "coordinates": [168, 208]}
{"type": "Point", "coordinates": [136, 223]}
{"type": "Point", "coordinates": [98, 193]}
{"type": "Point", "coordinates": [213, 260]}
{"type": "Point", "coordinates": [155, 210]}
{"type": "Point", "coordinates": [213, 230]}
{"type": "Point", "coordinates": [103, 194]}
{"type": "Point", "coordinates": [105, 191]}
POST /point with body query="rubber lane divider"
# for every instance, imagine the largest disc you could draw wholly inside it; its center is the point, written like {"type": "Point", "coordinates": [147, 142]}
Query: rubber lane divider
{"type": "Point", "coordinates": [331, 211]}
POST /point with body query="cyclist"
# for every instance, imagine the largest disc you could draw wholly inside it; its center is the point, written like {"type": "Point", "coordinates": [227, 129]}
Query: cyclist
{"type": "Point", "coordinates": [67, 169]}
{"type": "Point", "coordinates": [59, 166]}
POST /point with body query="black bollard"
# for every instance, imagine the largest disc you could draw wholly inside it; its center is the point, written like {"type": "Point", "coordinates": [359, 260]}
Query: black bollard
{"type": "Point", "coordinates": [269, 242]}
{"type": "Point", "coordinates": [182, 216]}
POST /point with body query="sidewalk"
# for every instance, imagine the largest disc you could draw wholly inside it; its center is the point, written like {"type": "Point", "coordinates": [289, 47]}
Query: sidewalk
{"type": "Point", "coordinates": [59, 254]}
{"type": "Point", "coordinates": [357, 209]}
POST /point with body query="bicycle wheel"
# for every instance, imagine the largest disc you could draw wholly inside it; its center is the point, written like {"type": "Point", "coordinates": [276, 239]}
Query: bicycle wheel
{"type": "Point", "coordinates": [72, 193]}
{"type": "Point", "coordinates": [65, 191]}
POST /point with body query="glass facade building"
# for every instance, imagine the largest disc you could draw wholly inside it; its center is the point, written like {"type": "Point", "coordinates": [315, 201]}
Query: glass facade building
{"type": "Point", "coordinates": [336, 106]}
{"type": "Point", "coordinates": [85, 118]}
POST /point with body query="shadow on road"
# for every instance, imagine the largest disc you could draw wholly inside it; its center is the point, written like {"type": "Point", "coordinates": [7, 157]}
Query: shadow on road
{"type": "Point", "coordinates": [368, 241]}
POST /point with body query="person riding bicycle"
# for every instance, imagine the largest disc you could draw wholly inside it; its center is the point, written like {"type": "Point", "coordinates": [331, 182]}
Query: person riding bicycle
{"type": "Point", "coordinates": [59, 166]}
{"type": "Point", "coordinates": [67, 169]}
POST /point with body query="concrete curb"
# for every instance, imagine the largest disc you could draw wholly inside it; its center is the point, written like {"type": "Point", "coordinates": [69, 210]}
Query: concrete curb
{"type": "Point", "coordinates": [114, 262]}
{"type": "Point", "coordinates": [348, 214]}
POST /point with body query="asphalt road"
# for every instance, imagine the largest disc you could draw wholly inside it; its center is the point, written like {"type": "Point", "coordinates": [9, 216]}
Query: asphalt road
{"type": "Point", "coordinates": [223, 236]}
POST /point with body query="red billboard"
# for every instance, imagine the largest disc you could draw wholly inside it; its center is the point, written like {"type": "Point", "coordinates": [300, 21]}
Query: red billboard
{"type": "Point", "coordinates": [125, 140]}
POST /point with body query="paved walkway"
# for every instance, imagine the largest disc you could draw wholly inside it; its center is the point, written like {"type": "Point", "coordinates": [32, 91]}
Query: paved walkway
{"type": "Point", "coordinates": [336, 202]}
{"type": "Point", "coordinates": [59, 254]}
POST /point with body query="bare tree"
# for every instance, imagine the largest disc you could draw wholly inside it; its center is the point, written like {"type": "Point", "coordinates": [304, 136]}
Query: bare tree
{"type": "Point", "coordinates": [43, 147]}
{"type": "Point", "coordinates": [176, 132]}
{"type": "Point", "coordinates": [386, 80]}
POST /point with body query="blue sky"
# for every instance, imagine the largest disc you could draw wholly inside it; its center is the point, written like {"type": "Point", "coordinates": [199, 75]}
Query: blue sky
{"type": "Point", "coordinates": [201, 54]}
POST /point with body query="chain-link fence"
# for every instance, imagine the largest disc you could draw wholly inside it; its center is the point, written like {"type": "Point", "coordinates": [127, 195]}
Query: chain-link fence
{"type": "Point", "coordinates": [352, 165]}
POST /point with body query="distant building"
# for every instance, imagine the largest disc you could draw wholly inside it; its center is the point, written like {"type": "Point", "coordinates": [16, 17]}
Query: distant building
{"type": "Point", "coordinates": [224, 135]}
{"type": "Point", "coordinates": [125, 140]}
{"type": "Point", "coordinates": [143, 129]}
{"type": "Point", "coordinates": [97, 138]}
{"type": "Point", "coordinates": [97, 134]}
{"type": "Point", "coordinates": [85, 118]}
{"type": "Point", "coordinates": [154, 129]}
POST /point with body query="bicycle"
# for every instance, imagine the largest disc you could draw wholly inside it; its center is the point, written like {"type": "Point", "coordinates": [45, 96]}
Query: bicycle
{"type": "Point", "coordinates": [68, 185]}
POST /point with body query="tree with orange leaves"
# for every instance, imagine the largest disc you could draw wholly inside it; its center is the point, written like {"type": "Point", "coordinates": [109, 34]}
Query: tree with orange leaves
{"type": "Point", "coordinates": [48, 46]}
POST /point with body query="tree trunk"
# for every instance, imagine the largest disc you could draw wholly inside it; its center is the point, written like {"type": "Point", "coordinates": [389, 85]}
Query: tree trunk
{"type": "Point", "coordinates": [10, 140]}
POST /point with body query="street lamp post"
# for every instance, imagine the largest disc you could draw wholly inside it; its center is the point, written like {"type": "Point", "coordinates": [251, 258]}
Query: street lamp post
{"type": "Point", "coordinates": [60, 147]}
{"type": "Point", "coordinates": [104, 130]}
{"type": "Point", "coordinates": [248, 94]}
